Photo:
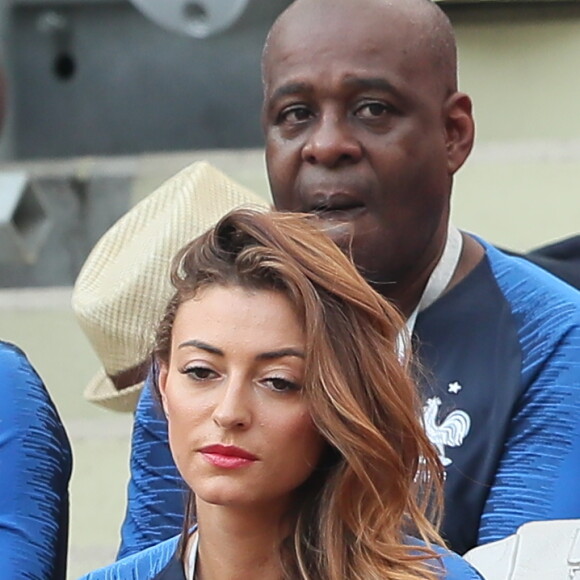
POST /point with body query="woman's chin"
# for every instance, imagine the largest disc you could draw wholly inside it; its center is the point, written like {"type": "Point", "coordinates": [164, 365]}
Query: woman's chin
{"type": "Point", "coordinates": [218, 495]}
{"type": "Point", "coordinates": [239, 499]}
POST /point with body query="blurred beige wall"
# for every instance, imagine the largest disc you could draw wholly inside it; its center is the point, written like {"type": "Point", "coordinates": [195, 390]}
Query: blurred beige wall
{"type": "Point", "coordinates": [519, 62]}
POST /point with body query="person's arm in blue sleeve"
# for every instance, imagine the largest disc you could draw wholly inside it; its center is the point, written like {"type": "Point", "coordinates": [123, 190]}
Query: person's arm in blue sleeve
{"type": "Point", "coordinates": [35, 469]}
{"type": "Point", "coordinates": [456, 568]}
{"type": "Point", "coordinates": [449, 565]}
{"type": "Point", "coordinates": [539, 471]}
{"type": "Point", "coordinates": [156, 493]}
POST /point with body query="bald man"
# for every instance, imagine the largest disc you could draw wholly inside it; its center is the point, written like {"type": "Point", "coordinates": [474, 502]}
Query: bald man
{"type": "Point", "coordinates": [365, 127]}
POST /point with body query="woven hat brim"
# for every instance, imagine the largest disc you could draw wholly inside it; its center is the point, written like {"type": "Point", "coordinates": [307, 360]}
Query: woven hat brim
{"type": "Point", "coordinates": [101, 391]}
{"type": "Point", "coordinates": [123, 288]}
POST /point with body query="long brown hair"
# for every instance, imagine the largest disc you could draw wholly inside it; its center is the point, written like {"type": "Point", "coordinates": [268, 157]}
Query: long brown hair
{"type": "Point", "coordinates": [381, 479]}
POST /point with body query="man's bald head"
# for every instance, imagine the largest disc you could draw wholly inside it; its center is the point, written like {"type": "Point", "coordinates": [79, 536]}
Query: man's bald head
{"type": "Point", "coordinates": [429, 32]}
{"type": "Point", "coordinates": [362, 116]}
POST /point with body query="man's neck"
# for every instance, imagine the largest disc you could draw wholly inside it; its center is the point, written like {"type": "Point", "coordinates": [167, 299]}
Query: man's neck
{"type": "Point", "coordinates": [471, 256]}
{"type": "Point", "coordinates": [407, 297]}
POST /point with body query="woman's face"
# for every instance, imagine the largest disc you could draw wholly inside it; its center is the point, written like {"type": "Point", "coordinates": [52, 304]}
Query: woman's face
{"type": "Point", "coordinates": [239, 427]}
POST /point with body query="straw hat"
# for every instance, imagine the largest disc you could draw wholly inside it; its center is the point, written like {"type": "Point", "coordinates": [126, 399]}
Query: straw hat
{"type": "Point", "coordinates": [123, 287]}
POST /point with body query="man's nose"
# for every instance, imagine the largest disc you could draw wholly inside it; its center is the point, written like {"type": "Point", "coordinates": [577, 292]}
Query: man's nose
{"type": "Point", "coordinates": [233, 406]}
{"type": "Point", "coordinates": [332, 143]}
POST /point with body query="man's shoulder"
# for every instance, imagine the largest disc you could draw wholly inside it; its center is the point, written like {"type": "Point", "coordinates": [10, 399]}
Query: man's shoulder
{"type": "Point", "coordinates": [508, 288]}
{"type": "Point", "coordinates": [545, 308]}
{"type": "Point", "coordinates": [144, 565]}
{"type": "Point", "coordinates": [533, 296]}
{"type": "Point", "coordinates": [518, 278]}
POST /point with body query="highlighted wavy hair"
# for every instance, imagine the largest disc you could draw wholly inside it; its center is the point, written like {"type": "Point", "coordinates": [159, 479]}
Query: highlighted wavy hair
{"type": "Point", "coordinates": [380, 481]}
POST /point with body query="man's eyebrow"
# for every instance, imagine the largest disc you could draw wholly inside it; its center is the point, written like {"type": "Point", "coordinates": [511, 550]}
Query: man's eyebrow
{"type": "Point", "coordinates": [372, 83]}
{"type": "Point", "coordinates": [290, 89]}
{"type": "Point", "coordinates": [202, 346]}
{"type": "Point", "coordinates": [281, 353]}
{"type": "Point", "coordinates": [355, 82]}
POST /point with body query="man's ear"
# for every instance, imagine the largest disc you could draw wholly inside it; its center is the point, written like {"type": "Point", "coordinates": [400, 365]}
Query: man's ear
{"type": "Point", "coordinates": [459, 130]}
{"type": "Point", "coordinates": [162, 383]}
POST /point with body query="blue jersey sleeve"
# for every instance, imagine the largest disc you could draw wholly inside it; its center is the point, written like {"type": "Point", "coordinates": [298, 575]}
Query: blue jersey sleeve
{"type": "Point", "coordinates": [35, 468]}
{"type": "Point", "coordinates": [538, 473]}
{"type": "Point", "coordinates": [450, 566]}
{"type": "Point", "coordinates": [144, 565]}
{"type": "Point", "coordinates": [456, 568]}
{"type": "Point", "coordinates": [156, 493]}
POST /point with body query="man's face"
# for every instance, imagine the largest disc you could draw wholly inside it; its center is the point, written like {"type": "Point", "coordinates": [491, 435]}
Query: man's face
{"type": "Point", "coordinates": [356, 131]}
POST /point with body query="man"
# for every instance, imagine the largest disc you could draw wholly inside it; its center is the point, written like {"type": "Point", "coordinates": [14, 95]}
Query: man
{"type": "Point", "coordinates": [365, 127]}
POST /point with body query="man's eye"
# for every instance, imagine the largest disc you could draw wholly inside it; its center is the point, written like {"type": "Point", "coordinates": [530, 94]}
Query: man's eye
{"type": "Point", "coordinates": [373, 111]}
{"type": "Point", "coordinates": [280, 385]}
{"type": "Point", "coordinates": [198, 373]}
{"type": "Point", "coordinates": [295, 114]}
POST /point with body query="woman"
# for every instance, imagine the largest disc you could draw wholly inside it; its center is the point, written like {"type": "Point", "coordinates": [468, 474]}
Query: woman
{"type": "Point", "coordinates": [292, 417]}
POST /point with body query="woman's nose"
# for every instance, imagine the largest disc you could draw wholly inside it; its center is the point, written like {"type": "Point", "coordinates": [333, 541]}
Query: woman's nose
{"type": "Point", "coordinates": [332, 143]}
{"type": "Point", "coordinates": [233, 407]}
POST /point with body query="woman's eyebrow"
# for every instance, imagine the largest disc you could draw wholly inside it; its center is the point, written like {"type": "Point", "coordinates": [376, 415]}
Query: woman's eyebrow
{"type": "Point", "coordinates": [269, 355]}
{"type": "Point", "coordinates": [202, 346]}
{"type": "Point", "coordinates": [281, 353]}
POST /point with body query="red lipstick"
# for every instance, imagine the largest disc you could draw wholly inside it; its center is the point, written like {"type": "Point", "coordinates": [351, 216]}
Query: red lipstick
{"type": "Point", "coordinates": [227, 456]}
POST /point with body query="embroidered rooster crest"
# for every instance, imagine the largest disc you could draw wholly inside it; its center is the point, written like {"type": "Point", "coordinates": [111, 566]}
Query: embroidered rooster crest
{"type": "Point", "coordinates": [450, 432]}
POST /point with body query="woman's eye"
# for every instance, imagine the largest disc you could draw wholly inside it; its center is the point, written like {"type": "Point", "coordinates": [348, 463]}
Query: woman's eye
{"type": "Point", "coordinates": [198, 373]}
{"type": "Point", "coordinates": [295, 114]}
{"type": "Point", "coordinates": [281, 385]}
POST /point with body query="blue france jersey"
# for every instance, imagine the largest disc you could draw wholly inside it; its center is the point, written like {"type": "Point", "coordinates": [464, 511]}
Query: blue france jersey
{"type": "Point", "coordinates": [502, 357]}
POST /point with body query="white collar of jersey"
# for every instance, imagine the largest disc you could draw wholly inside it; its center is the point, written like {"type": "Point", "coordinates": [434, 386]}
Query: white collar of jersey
{"type": "Point", "coordinates": [192, 561]}
{"type": "Point", "coordinates": [438, 281]}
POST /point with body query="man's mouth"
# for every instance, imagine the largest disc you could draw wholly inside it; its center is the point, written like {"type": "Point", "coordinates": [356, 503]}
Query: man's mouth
{"type": "Point", "coordinates": [337, 213]}
{"type": "Point", "coordinates": [335, 206]}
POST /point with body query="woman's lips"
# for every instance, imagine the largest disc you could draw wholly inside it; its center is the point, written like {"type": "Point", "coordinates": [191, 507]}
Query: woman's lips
{"type": "Point", "coordinates": [227, 456]}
